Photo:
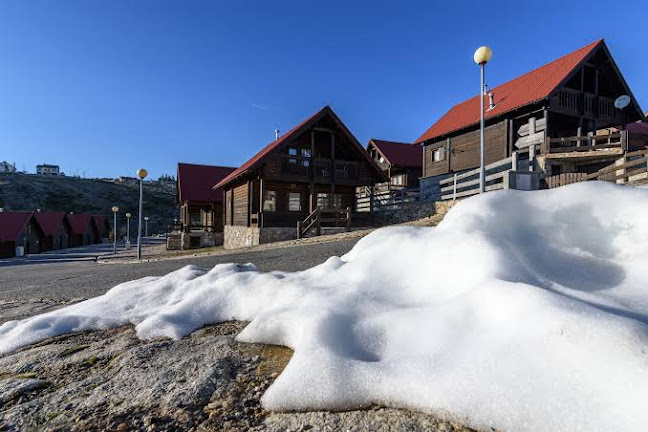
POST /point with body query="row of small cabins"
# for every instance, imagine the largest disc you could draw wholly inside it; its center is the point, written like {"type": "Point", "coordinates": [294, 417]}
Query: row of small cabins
{"type": "Point", "coordinates": [37, 232]}
{"type": "Point", "coordinates": [554, 125]}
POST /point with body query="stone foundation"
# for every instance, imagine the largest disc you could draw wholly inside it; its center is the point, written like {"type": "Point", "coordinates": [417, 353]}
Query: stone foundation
{"type": "Point", "coordinates": [193, 240]}
{"type": "Point", "coordinates": [241, 236]}
{"type": "Point", "coordinates": [411, 211]}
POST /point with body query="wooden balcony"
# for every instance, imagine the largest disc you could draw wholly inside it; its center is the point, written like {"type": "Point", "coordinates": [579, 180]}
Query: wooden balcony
{"type": "Point", "coordinates": [319, 168]}
{"type": "Point", "coordinates": [586, 146]}
{"type": "Point", "coordinates": [577, 103]}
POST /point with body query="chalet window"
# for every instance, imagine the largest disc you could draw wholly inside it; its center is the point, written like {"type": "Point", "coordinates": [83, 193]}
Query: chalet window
{"type": "Point", "coordinates": [327, 201]}
{"type": "Point", "coordinates": [194, 219]}
{"type": "Point", "coordinates": [398, 180]}
{"type": "Point", "coordinates": [306, 153]}
{"type": "Point", "coordinates": [292, 151]}
{"type": "Point", "coordinates": [269, 201]}
{"type": "Point", "coordinates": [294, 201]}
{"type": "Point", "coordinates": [439, 154]}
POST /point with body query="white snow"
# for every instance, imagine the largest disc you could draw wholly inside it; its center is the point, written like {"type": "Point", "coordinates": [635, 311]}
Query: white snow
{"type": "Point", "coordinates": [524, 311]}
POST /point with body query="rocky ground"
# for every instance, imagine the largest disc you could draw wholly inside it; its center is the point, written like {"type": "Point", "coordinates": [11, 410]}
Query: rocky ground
{"type": "Point", "coordinates": [111, 380]}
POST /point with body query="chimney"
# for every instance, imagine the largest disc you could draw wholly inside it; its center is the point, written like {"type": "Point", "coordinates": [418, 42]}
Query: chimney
{"type": "Point", "coordinates": [491, 102]}
{"type": "Point", "coordinates": [276, 134]}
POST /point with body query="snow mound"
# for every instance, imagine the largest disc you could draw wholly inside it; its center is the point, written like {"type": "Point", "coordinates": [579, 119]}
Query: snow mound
{"type": "Point", "coordinates": [523, 311]}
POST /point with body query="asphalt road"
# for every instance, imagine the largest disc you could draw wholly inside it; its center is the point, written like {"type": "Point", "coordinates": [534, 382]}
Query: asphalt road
{"type": "Point", "coordinates": [66, 281]}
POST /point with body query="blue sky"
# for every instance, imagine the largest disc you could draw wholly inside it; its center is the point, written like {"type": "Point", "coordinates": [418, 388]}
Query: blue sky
{"type": "Point", "coordinates": [105, 87]}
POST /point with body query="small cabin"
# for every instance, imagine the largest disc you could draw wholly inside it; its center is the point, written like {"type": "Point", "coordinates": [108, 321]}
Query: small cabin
{"type": "Point", "coordinates": [201, 206]}
{"type": "Point", "coordinates": [315, 167]}
{"type": "Point", "coordinates": [103, 227]}
{"type": "Point", "coordinates": [83, 230]}
{"type": "Point", "coordinates": [19, 229]}
{"type": "Point", "coordinates": [551, 116]}
{"type": "Point", "coordinates": [56, 230]}
{"type": "Point", "coordinates": [402, 163]}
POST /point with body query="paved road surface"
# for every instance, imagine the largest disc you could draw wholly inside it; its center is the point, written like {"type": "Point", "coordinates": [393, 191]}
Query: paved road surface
{"type": "Point", "coordinates": [32, 288]}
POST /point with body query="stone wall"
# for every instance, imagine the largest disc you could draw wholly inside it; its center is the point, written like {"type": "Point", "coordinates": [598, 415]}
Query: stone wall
{"type": "Point", "coordinates": [411, 212]}
{"type": "Point", "coordinates": [183, 241]}
{"type": "Point", "coordinates": [241, 236]}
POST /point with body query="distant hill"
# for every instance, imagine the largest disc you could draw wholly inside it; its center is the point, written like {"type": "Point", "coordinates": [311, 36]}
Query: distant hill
{"type": "Point", "coordinates": [70, 194]}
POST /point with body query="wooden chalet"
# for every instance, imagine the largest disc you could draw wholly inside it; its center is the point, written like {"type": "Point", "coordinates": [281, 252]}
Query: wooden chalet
{"type": "Point", "coordinates": [83, 230]}
{"type": "Point", "coordinates": [401, 162]}
{"type": "Point", "coordinates": [19, 228]}
{"type": "Point", "coordinates": [201, 206]}
{"type": "Point", "coordinates": [316, 166]}
{"type": "Point", "coordinates": [103, 227]}
{"type": "Point", "coordinates": [555, 113]}
{"type": "Point", "coordinates": [56, 230]}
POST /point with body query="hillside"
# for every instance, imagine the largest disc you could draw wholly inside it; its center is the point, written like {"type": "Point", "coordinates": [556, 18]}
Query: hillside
{"type": "Point", "coordinates": [31, 192]}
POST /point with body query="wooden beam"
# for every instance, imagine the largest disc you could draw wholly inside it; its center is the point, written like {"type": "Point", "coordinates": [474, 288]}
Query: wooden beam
{"type": "Point", "coordinates": [332, 163]}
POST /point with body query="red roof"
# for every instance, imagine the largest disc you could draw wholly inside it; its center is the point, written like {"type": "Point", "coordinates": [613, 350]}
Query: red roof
{"type": "Point", "coordinates": [49, 221]}
{"type": "Point", "coordinates": [195, 182]}
{"type": "Point", "coordinates": [400, 154]}
{"type": "Point", "coordinates": [257, 158]}
{"type": "Point", "coordinates": [101, 221]}
{"type": "Point", "coordinates": [640, 128]}
{"type": "Point", "coordinates": [12, 224]}
{"type": "Point", "coordinates": [523, 90]}
{"type": "Point", "coordinates": [79, 222]}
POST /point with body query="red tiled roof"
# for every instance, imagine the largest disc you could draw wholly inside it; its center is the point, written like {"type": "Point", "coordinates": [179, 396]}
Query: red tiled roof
{"type": "Point", "coordinates": [12, 223]}
{"type": "Point", "coordinates": [523, 90]}
{"type": "Point", "coordinates": [400, 154]}
{"type": "Point", "coordinates": [195, 182]}
{"type": "Point", "coordinates": [49, 221]}
{"type": "Point", "coordinates": [257, 158]}
{"type": "Point", "coordinates": [640, 128]}
{"type": "Point", "coordinates": [79, 222]}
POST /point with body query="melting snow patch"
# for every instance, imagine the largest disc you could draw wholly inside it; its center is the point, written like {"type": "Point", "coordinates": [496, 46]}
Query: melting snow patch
{"type": "Point", "coordinates": [522, 310]}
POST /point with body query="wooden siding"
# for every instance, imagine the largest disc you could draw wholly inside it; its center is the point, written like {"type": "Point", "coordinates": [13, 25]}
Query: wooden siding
{"type": "Point", "coordinates": [464, 150]}
{"type": "Point", "coordinates": [241, 203]}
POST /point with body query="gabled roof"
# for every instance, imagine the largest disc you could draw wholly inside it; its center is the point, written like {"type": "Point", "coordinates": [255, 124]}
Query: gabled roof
{"type": "Point", "coordinates": [255, 160]}
{"type": "Point", "coordinates": [49, 221]}
{"type": "Point", "coordinates": [101, 221]}
{"type": "Point", "coordinates": [79, 222]}
{"type": "Point", "coordinates": [12, 223]}
{"type": "Point", "coordinates": [523, 90]}
{"type": "Point", "coordinates": [195, 182]}
{"type": "Point", "coordinates": [399, 154]}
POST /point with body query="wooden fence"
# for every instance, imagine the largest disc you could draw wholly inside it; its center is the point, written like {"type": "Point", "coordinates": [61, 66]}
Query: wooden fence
{"type": "Point", "coordinates": [619, 171]}
{"type": "Point", "coordinates": [558, 180]}
{"type": "Point", "coordinates": [386, 200]}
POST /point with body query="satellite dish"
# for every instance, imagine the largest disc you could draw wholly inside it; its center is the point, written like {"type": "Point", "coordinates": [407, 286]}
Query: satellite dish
{"type": "Point", "coordinates": [622, 101]}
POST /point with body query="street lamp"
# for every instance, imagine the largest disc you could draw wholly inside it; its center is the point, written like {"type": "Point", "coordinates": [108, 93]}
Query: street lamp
{"type": "Point", "coordinates": [115, 209]}
{"type": "Point", "coordinates": [146, 219]}
{"type": "Point", "coordinates": [141, 173]}
{"type": "Point", "coordinates": [481, 57]}
{"type": "Point", "coordinates": [128, 216]}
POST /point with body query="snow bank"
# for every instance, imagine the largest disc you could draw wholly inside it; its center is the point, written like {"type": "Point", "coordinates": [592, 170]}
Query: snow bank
{"type": "Point", "coordinates": [524, 311]}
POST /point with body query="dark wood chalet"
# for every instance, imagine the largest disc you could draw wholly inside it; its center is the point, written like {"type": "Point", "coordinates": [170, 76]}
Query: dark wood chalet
{"type": "Point", "coordinates": [83, 230]}
{"type": "Point", "coordinates": [201, 206]}
{"type": "Point", "coordinates": [317, 165]}
{"type": "Point", "coordinates": [555, 112]}
{"type": "Point", "coordinates": [401, 162]}
{"type": "Point", "coordinates": [56, 230]}
{"type": "Point", "coordinates": [19, 228]}
{"type": "Point", "coordinates": [103, 227]}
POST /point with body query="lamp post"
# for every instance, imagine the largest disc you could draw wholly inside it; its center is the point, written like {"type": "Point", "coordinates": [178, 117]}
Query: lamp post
{"type": "Point", "coordinates": [146, 219]}
{"type": "Point", "coordinates": [115, 209]}
{"type": "Point", "coordinates": [128, 216]}
{"type": "Point", "coordinates": [141, 173]}
{"type": "Point", "coordinates": [481, 57]}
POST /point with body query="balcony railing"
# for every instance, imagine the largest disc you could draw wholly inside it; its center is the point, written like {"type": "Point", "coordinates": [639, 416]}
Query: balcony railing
{"type": "Point", "coordinates": [320, 167]}
{"type": "Point", "coordinates": [579, 103]}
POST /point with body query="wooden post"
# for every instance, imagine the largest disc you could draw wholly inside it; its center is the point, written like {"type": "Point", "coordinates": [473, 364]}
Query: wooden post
{"type": "Point", "coordinates": [332, 163]}
{"type": "Point", "coordinates": [299, 229]}
{"type": "Point", "coordinates": [261, 191]}
{"type": "Point", "coordinates": [532, 157]}
{"type": "Point", "coordinates": [514, 160]}
{"type": "Point", "coordinates": [311, 204]}
{"type": "Point", "coordinates": [454, 188]}
{"type": "Point", "coordinates": [348, 217]}
{"type": "Point", "coordinates": [318, 222]}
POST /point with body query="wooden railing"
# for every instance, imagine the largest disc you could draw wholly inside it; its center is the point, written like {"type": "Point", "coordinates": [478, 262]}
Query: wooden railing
{"type": "Point", "coordinates": [619, 172]}
{"type": "Point", "coordinates": [563, 179]}
{"type": "Point", "coordinates": [582, 103]}
{"type": "Point", "coordinates": [586, 143]}
{"type": "Point", "coordinates": [386, 200]}
{"type": "Point", "coordinates": [180, 227]}
{"type": "Point", "coordinates": [331, 217]}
